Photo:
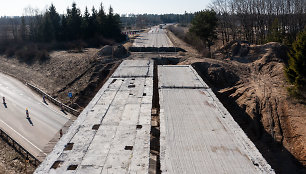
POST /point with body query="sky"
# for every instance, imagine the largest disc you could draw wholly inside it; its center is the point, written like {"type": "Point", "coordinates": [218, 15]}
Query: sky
{"type": "Point", "coordinates": [16, 7]}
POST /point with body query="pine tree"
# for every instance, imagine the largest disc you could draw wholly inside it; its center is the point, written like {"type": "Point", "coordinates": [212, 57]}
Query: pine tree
{"type": "Point", "coordinates": [274, 33]}
{"type": "Point", "coordinates": [47, 30]}
{"type": "Point", "coordinates": [204, 25]}
{"type": "Point", "coordinates": [113, 26]}
{"type": "Point", "coordinates": [296, 70]}
{"type": "Point", "coordinates": [85, 24]}
{"type": "Point", "coordinates": [23, 29]}
{"type": "Point", "coordinates": [74, 21]}
{"type": "Point", "coordinates": [63, 29]}
{"type": "Point", "coordinates": [55, 21]}
{"type": "Point", "coordinates": [94, 24]}
{"type": "Point", "coordinates": [102, 20]}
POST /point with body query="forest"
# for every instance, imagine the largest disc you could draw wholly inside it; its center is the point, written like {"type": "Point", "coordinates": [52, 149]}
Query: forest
{"type": "Point", "coordinates": [50, 30]}
{"type": "Point", "coordinates": [260, 21]}
{"type": "Point", "coordinates": [138, 21]}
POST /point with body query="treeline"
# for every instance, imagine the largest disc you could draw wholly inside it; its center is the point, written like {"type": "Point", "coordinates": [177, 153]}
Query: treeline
{"type": "Point", "coordinates": [139, 21]}
{"type": "Point", "coordinates": [29, 35]}
{"type": "Point", "coordinates": [260, 21]}
{"type": "Point", "coordinates": [51, 26]}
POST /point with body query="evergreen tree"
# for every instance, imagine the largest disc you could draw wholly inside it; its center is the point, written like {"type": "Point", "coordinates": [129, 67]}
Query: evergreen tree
{"type": "Point", "coordinates": [94, 24]}
{"type": "Point", "coordinates": [275, 34]}
{"type": "Point", "coordinates": [23, 29]}
{"type": "Point", "coordinates": [47, 31]}
{"type": "Point", "coordinates": [296, 70]}
{"type": "Point", "coordinates": [63, 29]}
{"type": "Point", "coordinates": [74, 21]}
{"type": "Point", "coordinates": [55, 21]}
{"type": "Point", "coordinates": [102, 20]}
{"type": "Point", "coordinates": [85, 24]}
{"type": "Point", "coordinates": [204, 25]}
{"type": "Point", "coordinates": [113, 26]}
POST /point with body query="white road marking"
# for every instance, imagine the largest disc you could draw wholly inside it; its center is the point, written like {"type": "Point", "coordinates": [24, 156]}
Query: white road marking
{"type": "Point", "coordinates": [23, 137]}
{"type": "Point", "coordinates": [59, 113]}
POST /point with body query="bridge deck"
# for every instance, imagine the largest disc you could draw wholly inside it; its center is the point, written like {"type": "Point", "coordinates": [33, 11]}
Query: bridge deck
{"type": "Point", "coordinates": [198, 135]}
{"type": "Point", "coordinates": [112, 135]}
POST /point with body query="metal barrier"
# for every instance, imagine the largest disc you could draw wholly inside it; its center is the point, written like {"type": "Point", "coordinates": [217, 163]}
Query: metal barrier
{"type": "Point", "coordinates": [21, 150]}
{"type": "Point", "coordinates": [53, 100]}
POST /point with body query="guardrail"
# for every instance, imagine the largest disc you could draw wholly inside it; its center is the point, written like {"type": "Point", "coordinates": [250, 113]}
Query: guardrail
{"type": "Point", "coordinates": [21, 150]}
{"type": "Point", "coordinates": [54, 101]}
{"type": "Point", "coordinates": [47, 96]}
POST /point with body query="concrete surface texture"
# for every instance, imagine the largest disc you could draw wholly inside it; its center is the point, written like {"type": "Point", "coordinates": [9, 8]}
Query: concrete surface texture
{"type": "Point", "coordinates": [112, 134]}
{"type": "Point", "coordinates": [156, 37]}
{"type": "Point", "coordinates": [44, 121]}
{"type": "Point", "coordinates": [198, 135]}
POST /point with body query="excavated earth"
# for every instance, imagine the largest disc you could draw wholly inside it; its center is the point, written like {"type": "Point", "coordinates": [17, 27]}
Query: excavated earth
{"type": "Point", "coordinates": [11, 162]}
{"type": "Point", "coordinates": [250, 82]}
{"type": "Point", "coordinates": [79, 73]}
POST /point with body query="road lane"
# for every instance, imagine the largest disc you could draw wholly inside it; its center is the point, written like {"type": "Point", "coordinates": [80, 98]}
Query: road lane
{"type": "Point", "coordinates": [156, 37]}
{"type": "Point", "coordinates": [45, 120]}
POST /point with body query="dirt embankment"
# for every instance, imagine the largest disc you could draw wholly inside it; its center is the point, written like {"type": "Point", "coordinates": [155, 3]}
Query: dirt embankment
{"type": "Point", "coordinates": [11, 162]}
{"type": "Point", "coordinates": [80, 73]}
{"type": "Point", "coordinates": [250, 82]}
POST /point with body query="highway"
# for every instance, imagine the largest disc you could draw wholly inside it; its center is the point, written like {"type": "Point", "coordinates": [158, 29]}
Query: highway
{"type": "Point", "coordinates": [197, 134]}
{"type": "Point", "coordinates": [112, 134]}
{"type": "Point", "coordinates": [155, 37]}
{"type": "Point", "coordinates": [44, 122]}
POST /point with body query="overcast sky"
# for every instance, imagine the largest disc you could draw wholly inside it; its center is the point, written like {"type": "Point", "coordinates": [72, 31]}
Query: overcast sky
{"type": "Point", "coordinates": [16, 7]}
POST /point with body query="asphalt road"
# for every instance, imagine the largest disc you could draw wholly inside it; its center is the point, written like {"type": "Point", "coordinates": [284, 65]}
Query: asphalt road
{"type": "Point", "coordinates": [156, 37]}
{"type": "Point", "coordinates": [45, 119]}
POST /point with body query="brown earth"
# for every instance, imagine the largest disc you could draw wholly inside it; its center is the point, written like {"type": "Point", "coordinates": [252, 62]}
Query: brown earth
{"type": "Point", "coordinates": [249, 80]}
{"type": "Point", "coordinates": [83, 74]}
{"type": "Point", "coordinates": [80, 73]}
{"type": "Point", "coordinates": [11, 162]}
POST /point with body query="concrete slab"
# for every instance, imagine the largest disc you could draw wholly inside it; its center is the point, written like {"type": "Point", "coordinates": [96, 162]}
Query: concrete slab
{"type": "Point", "coordinates": [134, 68]}
{"type": "Point", "coordinates": [179, 77]}
{"type": "Point", "coordinates": [135, 63]}
{"type": "Point", "coordinates": [197, 134]}
{"type": "Point", "coordinates": [112, 134]}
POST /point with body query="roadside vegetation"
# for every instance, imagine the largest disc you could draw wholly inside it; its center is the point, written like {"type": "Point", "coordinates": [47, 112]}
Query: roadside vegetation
{"type": "Point", "coordinates": [296, 68]}
{"type": "Point", "coordinates": [31, 36]}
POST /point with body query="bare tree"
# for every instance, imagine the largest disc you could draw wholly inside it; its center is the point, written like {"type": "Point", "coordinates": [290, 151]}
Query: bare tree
{"type": "Point", "coordinates": [253, 20]}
